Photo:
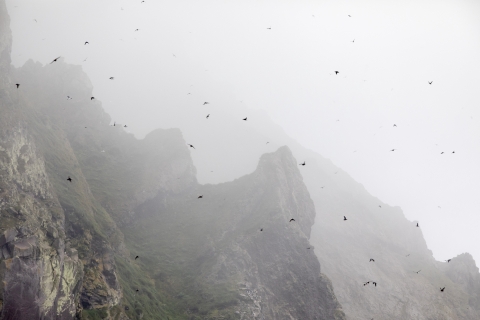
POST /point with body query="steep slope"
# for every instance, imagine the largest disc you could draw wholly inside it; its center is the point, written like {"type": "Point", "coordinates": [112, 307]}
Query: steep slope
{"type": "Point", "coordinates": [211, 253]}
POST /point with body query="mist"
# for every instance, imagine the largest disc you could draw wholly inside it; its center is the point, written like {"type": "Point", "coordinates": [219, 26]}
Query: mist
{"type": "Point", "coordinates": [275, 63]}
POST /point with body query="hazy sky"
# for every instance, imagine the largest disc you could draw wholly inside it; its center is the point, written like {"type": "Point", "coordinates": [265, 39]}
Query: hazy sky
{"type": "Point", "coordinates": [222, 52]}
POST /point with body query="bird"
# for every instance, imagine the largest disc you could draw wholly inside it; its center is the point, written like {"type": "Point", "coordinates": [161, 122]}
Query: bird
{"type": "Point", "coordinates": [291, 220]}
{"type": "Point", "coordinates": [125, 126]}
{"type": "Point", "coordinates": [206, 102]}
{"type": "Point", "coordinates": [191, 146]}
{"type": "Point", "coordinates": [441, 289]}
{"type": "Point", "coordinates": [69, 179]}
{"type": "Point", "coordinates": [269, 28]}
{"type": "Point", "coordinates": [374, 283]}
{"type": "Point", "coordinates": [407, 255]}
{"type": "Point", "coordinates": [136, 29]}
{"type": "Point", "coordinates": [344, 218]}
{"type": "Point", "coordinates": [86, 42]}
{"type": "Point", "coordinates": [350, 16]}
{"type": "Point", "coordinates": [441, 152]}
{"type": "Point", "coordinates": [417, 271]}
{"type": "Point", "coordinates": [448, 260]}
{"type": "Point", "coordinates": [136, 290]}
{"type": "Point", "coordinates": [417, 225]}
{"type": "Point", "coordinates": [55, 60]}
{"type": "Point", "coordinates": [114, 123]}
{"type": "Point", "coordinates": [379, 206]}
{"type": "Point", "coordinates": [302, 164]}
{"type": "Point", "coordinates": [261, 229]}
{"type": "Point", "coordinates": [267, 142]}
{"type": "Point", "coordinates": [200, 197]}
{"type": "Point", "coordinates": [430, 82]}
{"type": "Point", "coordinates": [69, 98]}
{"type": "Point", "coordinates": [35, 20]}
{"type": "Point", "coordinates": [337, 72]}
{"type": "Point", "coordinates": [371, 260]}
{"type": "Point", "coordinates": [245, 119]}
{"type": "Point", "coordinates": [353, 40]}
{"type": "Point", "coordinates": [208, 115]}
{"type": "Point", "coordinates": [308, 248]}
{"type": "Point", "coordinates": [366, 283]}
{"type": "Point", "coordinates": [392, 150]}
{"type": "Point", "coordinates": [394, 125]}
{"type": "Point", "coordinates": [111, 78]}
{"type": "Point", "coordinates": [174, 55]}
{"type": "Point", "coordinates": [92, 98]}
{"type": "Point", "coordinates": [137, 257]}
{"type": "Point", "coordinates": [453, 151]}
{"type": "Point", "coordinates": [17, 84]}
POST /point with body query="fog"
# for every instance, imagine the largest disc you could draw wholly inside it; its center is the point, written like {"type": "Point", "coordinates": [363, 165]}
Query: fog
{"type": "Point", "coordinates": [274, 62]}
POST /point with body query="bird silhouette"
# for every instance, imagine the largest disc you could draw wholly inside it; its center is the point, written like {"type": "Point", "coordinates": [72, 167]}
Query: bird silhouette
{"type": "Point", "coordinates": [86, 42]}
{"type": "Point", "coordinates": [379, 206]}
{"type": "Point", "coordinates": [245, 119]}
{"type": "Point", "coordinates": [55, 60]}
{"type": "Point", "coordinates": [137, 257]}
{"type": "Point", "coordinates": [430, 82]}
{"type": "Point", "coordinates": [417, 271]}
{"type": "Point", "coordinates": [374, 283]}
{"type": "Point", "coordinates": [191, 146]}
{"type": "Point", "coordinates": [269, 28]}
{"type": "Point", "coordinates": [200, 197]}
{"type": "Point", "coordinates": [261, 229]}
{"type": "Point", "coordinates": [393, 150]}
{"type": "Point", "coordinates": [111, 78]}
{"type": "Point", "coordinates": [125, 126]}
{"type": "Point", "coordinates": [441, 152]}
{"type": "Point", "coordinates": [344, 218]}
{"type": "Point", "coordinates": [371, 260]}
{"type": "Point", "coordinates": [136, 29]}
{"type": "Point", "coordinates": [208, 115]}
{"type": "Point", "coordinates": [69, 98]}
{"type": "Point", "coordinates": [453, 151]}
{"type": "Point", "coordinates": [291, 220]}
{"type": "Point", "coordinates": [136, 290]}
{"type": "Point", "coordinates": [394, 125]}
{"type": "Point", "coordinates": [417, 225]}
{"type": "Point", "coordinates": [92, 98]}
{"type": "Point", "coordinates": [69, 179]}
{"type": "Point", "coordinates": [441, 289]}
{"type": "Point", "coordinates": [448, 260]}
{"type": "Point", "coordinates": [17, 84]}
{"type": "Point", "coordinates": [353, 40]}
{"type": "Point", "coordinates": [206, 102]}
{"type": "Point", "coordinates": [366, 283]}
{"type": "Point", "coordinates": [337, 72]}
{"type": "Point", "coordinates": [308, 248]}
{"type": "Point", "coordinates": [302, 164]}
{"type": "Point", "coordinates": [407, 255]}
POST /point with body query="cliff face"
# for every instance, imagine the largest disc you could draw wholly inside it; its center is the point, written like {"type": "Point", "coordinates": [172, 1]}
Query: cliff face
{"type": "Point", "coordinates": [68, 248]}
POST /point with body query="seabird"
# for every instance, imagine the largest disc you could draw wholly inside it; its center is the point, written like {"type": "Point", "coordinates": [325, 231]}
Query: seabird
{"type": "Point", "coordinates": [191, 146]}
{"type": "Point", "coordinates": [344, 218]}
{"type": "Point", "coordinates": [244, 119]}
{"type": "Point", "coordinates": [17, 84]}
{"type": "Point", "coordinates": [69, 179]}
{"type": "Point", "coordinates": [291, 220]}
{"type": "Point", "coordinates": [55, 60]}
{"type": "Point", "coordinates": [302, 164]}
{"type": "Point", "coordinates": [200, 197]}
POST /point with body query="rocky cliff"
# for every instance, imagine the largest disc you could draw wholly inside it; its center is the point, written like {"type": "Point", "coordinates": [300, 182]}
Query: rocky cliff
{"type": "Point", "coordinates": [68, 248]}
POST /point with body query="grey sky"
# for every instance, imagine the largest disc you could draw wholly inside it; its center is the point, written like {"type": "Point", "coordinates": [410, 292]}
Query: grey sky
{"type": "Point", "coordinates": [222, 52]}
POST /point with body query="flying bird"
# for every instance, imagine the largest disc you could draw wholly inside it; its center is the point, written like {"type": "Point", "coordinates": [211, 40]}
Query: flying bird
{"type": "Point", "coordinates": [69, 98]}
{"type": "Point", "coordinates": [269, 28]}
{"type": "Point", "coordinates": [394, 125]}
{"type": "Point", "coordinates": [417, 225]}
{"type": "Point", "coordinates": [448, 260]}
{"type": "Point", "coordinates": [371, 260]}
{"type": "Point", "coordinates": [350, 16]}
{"type": "Point", "coordinates": [417, 271]}
{"type": "Point", "coordinates": [261, 229]}
{"type": "Point", "coordinates": [69, 179]}
{"type": "Point", "coordinates": [244, 119]}
{"type": "Point", "coordinates": [407, 255]}
{"type": "Point", "coordinates": [55, 60]}
{"type": "Point", "coordinates": [308, 248]}
{"type": "Point", "coordinates": [379, 206]}
{"type": "Point", "coordinates": [393, 150]}
{"type": "Point", "coordinates": [337, 72]}
{"type": "Point", "coordinates": [136, 29]}
{"type": "Point", "coordinates": [366, 283]}
{"type": "Point", "coordinates": [291, 220]}
{"type": "Point", "coordinates": [206, 103]}
{"type": "Point", "coordinates": [453, 152]}
{"type": "Point", "coordinates": [17, 84]}
{"type": "Point", "coordinates": [441, 152]}
{"type": "Point", "coordinates": [430, 82]}
{"type": "Point", "coordinates": [344, 218]}
{"type": "Point", "coordinates": [374, 283]}
{"type": "Point", "coordinates": [441, 289]}
{"type": "Point", "coordinates": [86, 42]}
{"type": "Point", "coordinates": [200, 197]}
{"type": "Point", "coordinates": [136, 290]}
{"type": "Point", "coordinates": [353, 40]}
{"type": "Point", "coordinates": [302, 164]}
{"type": "Point", "coordinates": [125, 126]}
{"type": "Point", "coordinates": [191, 146]}
{"type": "Point", "coordinates": [92, 98]}
{"type": "Point", "coordinates": [111, 78]}
{"type": "Point", "coordinates": [208, 115]}
{"type": "Point", "coordinates": [137, 257]}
